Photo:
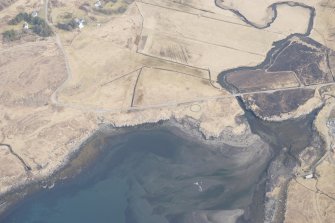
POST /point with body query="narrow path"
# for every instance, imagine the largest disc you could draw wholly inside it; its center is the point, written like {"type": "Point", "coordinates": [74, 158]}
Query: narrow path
{"type": "Point", "coordinates": [177, 103]}
{"type": "Point", "coordinates": [53, 97]}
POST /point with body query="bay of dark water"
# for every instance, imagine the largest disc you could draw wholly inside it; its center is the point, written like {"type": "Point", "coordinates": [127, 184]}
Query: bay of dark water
{"type": "Point", "coordinates": [150, 176]}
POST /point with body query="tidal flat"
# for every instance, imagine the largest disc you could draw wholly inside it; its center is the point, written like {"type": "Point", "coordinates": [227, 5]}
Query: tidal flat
{"type": "Point", "coordinates": [155, 174]}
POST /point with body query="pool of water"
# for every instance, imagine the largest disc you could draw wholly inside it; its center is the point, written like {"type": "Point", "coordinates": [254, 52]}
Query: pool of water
{"type": "Point", "coordinates": [151, 176]}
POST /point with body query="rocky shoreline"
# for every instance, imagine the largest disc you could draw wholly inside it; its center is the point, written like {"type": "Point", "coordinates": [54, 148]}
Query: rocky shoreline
{"type": "Point", "coordinates": [273, 208]}
{"type": "Point", "coordinates": [84, 155]}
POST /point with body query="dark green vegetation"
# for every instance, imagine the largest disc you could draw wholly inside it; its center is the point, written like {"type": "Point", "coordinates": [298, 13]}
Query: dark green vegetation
{"type": "Point", "coordinates": [11, 35]}
{"type": "Point", "coordinates": [22, 16]}
{"type": "Point", "coordinates": [69, 22]}
{"type": "Point", "coordinates": [109, 11]}
{"type": "Point", "coordinates": [37, 24]}
{"type": "Point", "coordinates": [68, 26]}
{"type": "Point", "coordinates": [119, 10]}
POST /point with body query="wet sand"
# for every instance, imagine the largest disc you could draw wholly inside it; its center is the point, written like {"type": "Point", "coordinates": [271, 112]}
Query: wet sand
{"type": "Point", "coordinates": [273, 160]}
{"type": "Point", "coordinates": [208, 164]}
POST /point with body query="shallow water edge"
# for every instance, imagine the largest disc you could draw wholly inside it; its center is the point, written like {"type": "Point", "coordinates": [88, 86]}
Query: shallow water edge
{"type": "Point", "coordinates": [92, 149]}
